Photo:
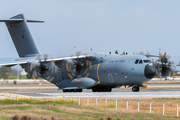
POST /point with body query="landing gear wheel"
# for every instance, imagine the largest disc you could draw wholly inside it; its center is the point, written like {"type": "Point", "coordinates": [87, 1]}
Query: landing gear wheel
{"type": "Point", "coordinates": [104, 90]}
{"type": "Point", "coordinates": [135, 89]}
{"type": "Point", "coordinates": [99, 90]}
{"type": "Point", "coordinates": [109, 89]}
{"type": "Point", "coordinates": [75, 90]}
{"type": "Point", "coordinates": [79, 90]}
{"type": "Point", "coordinates": [64, 90]}
{"type": "Point", "coordinates": [70, 90]}
{"type": "Point", "coordinates": [94, 90]}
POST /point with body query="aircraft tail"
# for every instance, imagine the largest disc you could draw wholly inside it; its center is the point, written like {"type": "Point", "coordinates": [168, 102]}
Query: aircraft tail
{"type": "Point", "coordinates": [21, 35]}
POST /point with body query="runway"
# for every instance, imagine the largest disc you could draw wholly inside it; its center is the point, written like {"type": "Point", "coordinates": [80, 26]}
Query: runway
{"type": "Point", "coordinates": [156, 92]}
{"type": "Point", "coordinates": [51, 86]}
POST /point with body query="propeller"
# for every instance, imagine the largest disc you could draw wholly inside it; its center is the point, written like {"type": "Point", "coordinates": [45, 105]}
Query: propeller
{"type": "Point", "coordinates": [163, 64]}
{"type": "Point", "coordinates": [78, 67]}
{"type": "Point", "coordinates": [42, 68]}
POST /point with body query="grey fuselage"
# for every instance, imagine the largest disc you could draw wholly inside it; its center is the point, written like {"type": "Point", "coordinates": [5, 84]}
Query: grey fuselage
{"type": "Point", "coordinates": [107, 70]}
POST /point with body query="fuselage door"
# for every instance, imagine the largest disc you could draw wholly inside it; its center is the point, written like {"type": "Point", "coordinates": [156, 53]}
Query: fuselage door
{"type": "Point", "coordinates": [59, 78]}
{"type": "Point", "coordinates": [137, 67]}
{"type": "Point", "coordinates": [110, 77]}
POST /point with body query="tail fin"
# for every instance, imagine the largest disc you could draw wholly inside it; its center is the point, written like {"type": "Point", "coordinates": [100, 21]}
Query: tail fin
{"type": "Point", "coordinates": [21, 35]}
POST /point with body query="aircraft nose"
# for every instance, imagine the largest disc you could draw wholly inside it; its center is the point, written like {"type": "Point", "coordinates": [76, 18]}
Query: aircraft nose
{"type": "Point", "coordinates": [149, 71]}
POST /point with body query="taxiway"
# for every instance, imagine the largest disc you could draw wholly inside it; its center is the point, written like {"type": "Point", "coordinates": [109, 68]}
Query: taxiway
{"type": "Point", "coordinates": [157, 92]}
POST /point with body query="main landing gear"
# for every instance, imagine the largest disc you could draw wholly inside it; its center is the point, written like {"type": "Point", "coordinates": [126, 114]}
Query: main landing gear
{"type": "Point", "coordinates": [135, 89]}
{"type": "Point", "coordinates": [101, 89]}
{"type": "Point", "coordinates": [72, 90]}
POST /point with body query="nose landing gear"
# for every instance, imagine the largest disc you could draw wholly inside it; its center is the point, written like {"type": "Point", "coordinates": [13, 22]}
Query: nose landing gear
{"type": "Point", "coordinates": [135, 89]}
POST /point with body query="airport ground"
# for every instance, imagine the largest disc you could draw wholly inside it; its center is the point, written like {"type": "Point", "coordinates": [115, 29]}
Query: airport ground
{"type": "Point", "coordinates": [158, 93]}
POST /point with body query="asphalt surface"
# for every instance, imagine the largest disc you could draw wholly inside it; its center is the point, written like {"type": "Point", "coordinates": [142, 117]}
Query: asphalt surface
{"type": "Point", "coordinates": [156, 92]}
{"type": "Point", "coordinates": [51, 85]}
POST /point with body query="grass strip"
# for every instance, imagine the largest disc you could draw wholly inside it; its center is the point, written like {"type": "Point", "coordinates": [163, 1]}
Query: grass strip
{"type": "Point", "coordinates": [36, 101]}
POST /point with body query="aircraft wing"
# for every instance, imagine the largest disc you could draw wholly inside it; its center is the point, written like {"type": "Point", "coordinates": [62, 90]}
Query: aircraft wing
{"type": "Point", "coordinates": [56, 59]}
{"type": "Point", "coordinates": [62, 58]}
{"type": "Point", "coordinates": [152, 55]}
{"type": "Point", "coordinates": [62, 62]}
{"type": "Point", "coordinates": [9, 64]}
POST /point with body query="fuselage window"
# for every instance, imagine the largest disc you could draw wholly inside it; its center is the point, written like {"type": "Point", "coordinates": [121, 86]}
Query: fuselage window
{"type": "Point", "coordinates": [140, 62]}
{"type": "Point", "coordinates": [147, 61]}
{"type": "Point", "coordinates": [136, 61]}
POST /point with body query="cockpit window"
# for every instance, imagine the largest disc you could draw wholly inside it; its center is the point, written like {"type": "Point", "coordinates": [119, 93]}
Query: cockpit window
{"type": "Point", "coordinates": [136, 61]}
{"type": "Point", "coordinates": [147, 61]}
{"type": "Point", "coordinates": [140, 62]}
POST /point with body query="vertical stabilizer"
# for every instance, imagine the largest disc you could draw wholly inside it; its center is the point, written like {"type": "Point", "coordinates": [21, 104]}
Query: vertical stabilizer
{"type": "Point", "coordinates": [21, 35]}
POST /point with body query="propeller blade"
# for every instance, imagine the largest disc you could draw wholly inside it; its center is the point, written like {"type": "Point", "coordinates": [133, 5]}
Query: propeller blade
{"type": "Point", "coordinates": [173, 74]}
{"type": "Point", "coordinates": [148, 52]}
{"type": "Point", "coordinates": [78, 52]}
{"type": "Point", "coordinates": [140, 52]}
{"type": "Point", "coordinates": [71, 55]}
{"type": "Point", "coordinates": [160, 54]}
{"type": "Point", "coordinates": [169, 55]}
{"type": "Point", "coordinates": [154, 60]}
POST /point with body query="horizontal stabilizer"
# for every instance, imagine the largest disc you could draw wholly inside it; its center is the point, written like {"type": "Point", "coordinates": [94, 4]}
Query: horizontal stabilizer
{"type": "Point", "coordinates": [35, 21]}
{"type": "Point", "coordinates": [12, 20]}
{"type": "Point", "coordinates": [20, 20]}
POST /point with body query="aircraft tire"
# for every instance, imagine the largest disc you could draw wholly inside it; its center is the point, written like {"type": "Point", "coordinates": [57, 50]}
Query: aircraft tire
{"type": "Point", "coordinates": [70, 90]}
{"type": "Point", "coordinates": [64, 90]}
{"type": "Point", "coordinates": [99, 90]}
{"type": "Point", "coordinates": [94, 90]}
{"type": "Point", "coordinates": [104, 90]}
{"type": "Point", "coordinates": [79, 90]}
{"type": "Point", "coordinates": [135, 89]}
{"type": "Point", "coordinates": [109, 90]}
{"type": "Point", "coordinates": [75, 90]}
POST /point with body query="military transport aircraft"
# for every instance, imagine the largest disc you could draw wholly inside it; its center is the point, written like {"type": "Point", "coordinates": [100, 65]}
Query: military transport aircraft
{"type": "Point", "coordinates": [97, 71]}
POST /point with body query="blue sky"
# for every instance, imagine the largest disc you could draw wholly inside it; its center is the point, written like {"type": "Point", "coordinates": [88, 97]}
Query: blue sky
{"type": "Point", "coordinates": [103, 25]}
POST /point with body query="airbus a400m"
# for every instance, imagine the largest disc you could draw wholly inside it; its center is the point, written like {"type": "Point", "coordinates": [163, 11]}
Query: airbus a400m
{"type": "Point", "coordinates": [97, 71]}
